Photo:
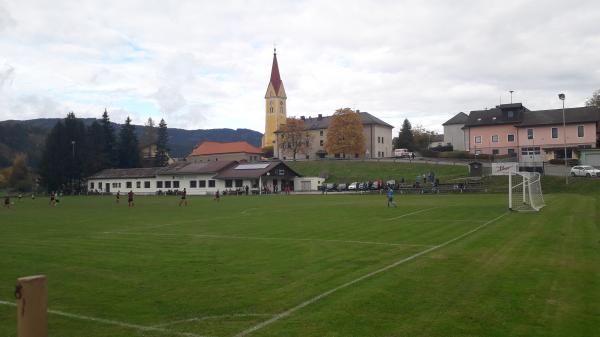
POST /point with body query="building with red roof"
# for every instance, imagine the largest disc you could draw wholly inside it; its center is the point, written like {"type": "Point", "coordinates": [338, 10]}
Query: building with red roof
{"type": "Point", "coordinates": [232, 151]}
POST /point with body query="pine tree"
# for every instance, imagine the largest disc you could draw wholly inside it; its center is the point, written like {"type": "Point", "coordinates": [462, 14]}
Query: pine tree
{"type": "Point", "coordinates": [129, 154]}
{"type": "Point", "coordinates": [162, 145]}
{"type": "Point", "coordinates": [52, 165]}
{"type": "Point", "coordinates": [95, 159]}
{"type": "Point", "coordinates": [110, 157]}
{"type": "Point", "coordinates": [405, 138]}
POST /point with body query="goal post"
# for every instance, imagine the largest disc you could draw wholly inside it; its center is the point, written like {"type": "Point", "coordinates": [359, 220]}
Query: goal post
{"type": "Point", "coordinates": [525, 191]}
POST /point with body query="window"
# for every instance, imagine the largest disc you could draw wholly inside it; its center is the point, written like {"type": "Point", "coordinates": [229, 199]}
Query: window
{"type": "Point", "coordinates": [193, 183]}
{"type": "Point", "coordinates": [239, 183]}
{"type": "Point", "coordinates": [321, 133]}
{"type": "Point", "coordinates": [167, 184]}
{"type": "Point", "coordinates": [307, 156]}
{"type": "Point", "coordinates": [477, 152]}
{"type": "Point", "coordinates": [529, 133]}
{"type": "Point", "coordinates": [495, 151]}
{"type": "Point", "coordinates": [510, 114]}
{"type": "Point", "coordinates": [477, 139]}
{"type": "Point", "coordinates": [580, 131]}
{"type": "Point", "coordinates": [202, 183]}
{"type": "Point", "coordinates": [159, 184]}
{"type": "Point", "coordinates": [211, 183]}
{"type": "Point", "coordinates": [381, 140]}
{"type": "Point", "coordinates": [92, 185]}
{"type": "Point", "coordinates": [378, 140]}
{"type": "Point", "coordinates": [554, 132]}
{"type": "Point", "coordinates": [138, 184]}
{"type": "Point", "coordinates": [146, 184]}
{"type": "Point", "coordinates": [128, 184]}
{"type": "Point", "coordinates": [100, 186]}
{"type": "Point", "coordinates": [495, 139]}
{"type": "Point", "coordinates": [530, 151]}
{"type": "Point", "coordinates": [281, 172]}
{"type": "Point", "coordinates": [510, 138]}
{"type": "Point", "coordinates": [228, 183]}
{"type": "Point", "coordinates": [321, 142]}
{"type": "Point", "coordinates": [511, 152]}
{"type": "Point", "coordinates": [176, 184]}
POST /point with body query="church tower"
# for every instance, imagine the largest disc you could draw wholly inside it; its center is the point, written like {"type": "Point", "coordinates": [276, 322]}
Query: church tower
{"type": "Point", "coordinates": [275, 105]}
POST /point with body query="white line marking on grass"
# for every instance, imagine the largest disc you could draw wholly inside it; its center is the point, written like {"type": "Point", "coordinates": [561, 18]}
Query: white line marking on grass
{"type": "Point", "coordinates": [290, 311]}
{"type": "Point", "coordinates": [206, 318]}
{"type": "Point", "coordinates": [236, 237]}
{"type": "Point", "coordinates": [247, 210]}
{"type": "Point", "coordinates": [411, 213]}
{"type": "Point", "coordinates": [117, 323]}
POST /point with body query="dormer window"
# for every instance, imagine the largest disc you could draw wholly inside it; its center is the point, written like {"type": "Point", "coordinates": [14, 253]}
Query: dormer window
{"type": "Point", "coordinates": [510, 114]}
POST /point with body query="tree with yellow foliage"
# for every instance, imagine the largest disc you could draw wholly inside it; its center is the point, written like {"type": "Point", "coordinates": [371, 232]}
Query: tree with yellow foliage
{"type": "Point", "coordinates": [345, 134]}
{"type": "Point", "coordinates": [293, 137]}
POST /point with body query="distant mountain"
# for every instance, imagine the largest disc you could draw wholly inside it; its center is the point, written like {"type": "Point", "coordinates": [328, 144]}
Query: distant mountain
{"type": "Point", "coordinates": [28, 136]}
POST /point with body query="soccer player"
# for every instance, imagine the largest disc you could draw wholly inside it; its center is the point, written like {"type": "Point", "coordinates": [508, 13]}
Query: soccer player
{"type": "Point", "coordinates": [217, 196]}
{"type": "Point", "coordinates": [130, 199]}
{"type": "Point", "coordinates": [52, 199]}
{"type": "Point", "coordinates": [118, 196]}
{"type": "Point", "coordinates": [390, 197]}
{"type": "Point", "coordinates": [183, 198]}
{"type": "Point", "coordinates": [7, 201]}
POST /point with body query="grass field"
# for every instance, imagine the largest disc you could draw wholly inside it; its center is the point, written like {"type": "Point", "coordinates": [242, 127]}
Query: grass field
{"type": "Point", "coordinates": [342, 265]}
{"type": "Point", "coordinates": [347, 171]}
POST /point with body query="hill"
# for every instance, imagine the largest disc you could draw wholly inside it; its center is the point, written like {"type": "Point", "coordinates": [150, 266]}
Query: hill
{"type": "Point", "coordinates": [27, 136]}
{"type": "Point", "coordinates": [347, 171]}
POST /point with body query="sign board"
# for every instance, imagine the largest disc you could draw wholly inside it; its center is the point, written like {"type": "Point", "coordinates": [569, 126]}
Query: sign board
{"type": "Point", "coordinates": [504, 169]}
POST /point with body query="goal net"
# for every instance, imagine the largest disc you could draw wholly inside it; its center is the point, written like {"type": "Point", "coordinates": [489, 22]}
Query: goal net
{"type": "Point", "coordinates": [525, 191]}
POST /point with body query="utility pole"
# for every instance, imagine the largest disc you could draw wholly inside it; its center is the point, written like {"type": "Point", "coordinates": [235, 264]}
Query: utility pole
{"type": "Point", "coordinates": [562, 98]}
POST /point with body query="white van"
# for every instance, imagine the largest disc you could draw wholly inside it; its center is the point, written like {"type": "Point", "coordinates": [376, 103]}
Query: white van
{"type": "Point", "coordinates": [402, 153]}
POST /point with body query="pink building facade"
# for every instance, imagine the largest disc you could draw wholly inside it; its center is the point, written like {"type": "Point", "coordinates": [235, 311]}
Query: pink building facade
{"type": "Point", "coordinates": [532, 136]}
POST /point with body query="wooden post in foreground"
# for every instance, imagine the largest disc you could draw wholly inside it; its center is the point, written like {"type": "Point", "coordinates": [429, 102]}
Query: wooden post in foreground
{"type": "Point", "coordinates": [32, 304]}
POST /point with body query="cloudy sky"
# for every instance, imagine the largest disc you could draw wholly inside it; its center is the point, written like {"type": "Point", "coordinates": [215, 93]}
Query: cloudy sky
{"type": "Point", "coordinates": [206, 64]}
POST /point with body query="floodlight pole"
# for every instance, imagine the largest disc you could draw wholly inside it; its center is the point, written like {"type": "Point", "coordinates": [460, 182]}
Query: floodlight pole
{"type": "Point", "coordinates": [562, 98]}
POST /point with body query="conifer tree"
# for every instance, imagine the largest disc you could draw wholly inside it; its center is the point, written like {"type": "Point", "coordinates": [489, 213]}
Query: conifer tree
{"type": "Point", "coordinates": [162, 144]}
{"type": "Point", "coordinates": [129, 154]}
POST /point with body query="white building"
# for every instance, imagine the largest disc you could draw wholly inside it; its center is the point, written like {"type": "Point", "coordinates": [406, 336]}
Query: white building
{"type": "Point", "coordinates": [197, 178]}
{"type": "Point", "coordinates": [455, 133]}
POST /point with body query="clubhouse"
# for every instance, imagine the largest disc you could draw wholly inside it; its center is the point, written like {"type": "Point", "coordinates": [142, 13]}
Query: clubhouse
{"type": "Point", "coordinates": [203, 178]}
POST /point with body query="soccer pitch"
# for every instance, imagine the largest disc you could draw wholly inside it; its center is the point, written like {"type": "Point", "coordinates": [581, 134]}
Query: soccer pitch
{"type": "Point", "coordinates": [333, 265]}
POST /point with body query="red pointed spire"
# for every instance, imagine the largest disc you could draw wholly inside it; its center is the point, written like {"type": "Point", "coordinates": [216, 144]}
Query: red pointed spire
{"type": "Point", "coordinates": [275, 78]}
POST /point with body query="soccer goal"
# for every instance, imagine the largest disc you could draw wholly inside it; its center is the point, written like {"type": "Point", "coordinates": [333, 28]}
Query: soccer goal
{"type": "Point", "coordinates": [525, 191]}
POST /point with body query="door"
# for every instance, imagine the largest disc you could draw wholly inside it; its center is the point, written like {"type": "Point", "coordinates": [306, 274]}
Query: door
{"type": "Point", "coordinates": [305, 185]}
{"type": "Point", "coordinates": [107, 187]}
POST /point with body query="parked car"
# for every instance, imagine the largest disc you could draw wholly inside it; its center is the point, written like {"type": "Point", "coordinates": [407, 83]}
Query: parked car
{"type": "Point", "coordinates": [585, 171]}
{"type": "Point", "coordinates": [342, 187]}
{"type": "Point", "coordinates": [353, 186]}
{"type": "Point", "coordinates": [330, 187]}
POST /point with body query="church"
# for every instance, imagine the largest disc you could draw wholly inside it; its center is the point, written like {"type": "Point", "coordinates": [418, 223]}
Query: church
{"type": "Point", "coordinates": [378, 134]}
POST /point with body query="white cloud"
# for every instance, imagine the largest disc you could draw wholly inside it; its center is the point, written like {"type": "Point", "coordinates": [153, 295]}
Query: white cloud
{"type": "Point", "coordinates": [206, 64]}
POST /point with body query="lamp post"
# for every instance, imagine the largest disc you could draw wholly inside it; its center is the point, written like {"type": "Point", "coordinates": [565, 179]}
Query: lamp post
{"type": "Point", "coordinates": [562, 98]}
{"type": "Point", "coordinates": [73, 168]}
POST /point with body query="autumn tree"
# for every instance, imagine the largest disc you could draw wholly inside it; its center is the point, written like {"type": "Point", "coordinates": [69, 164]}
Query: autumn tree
{"type": "Point", "coordinates": [294, 138]}
{"type": "Point", "coordinates": [345, 134]}
{"type": "Point", "coordinates": [20, 178]}
{"type": "Point", "coordinates": [594, 100]}
{"type": "Point", "coordinates": [148, 138]}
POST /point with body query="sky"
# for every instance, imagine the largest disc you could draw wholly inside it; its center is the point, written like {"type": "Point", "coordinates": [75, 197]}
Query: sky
{"type": "Point", "coordinates": [206, 64]}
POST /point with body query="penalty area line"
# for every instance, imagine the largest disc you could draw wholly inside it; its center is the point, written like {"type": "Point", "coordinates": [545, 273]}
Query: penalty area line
{"type": "Point", "coordinates": [411, 213]}
{"type": "Point", "coordinates": [260, 238]}
{"type": "Point", "coordinates": [310, 301]}
{"type": "Point", "coordinates": [116, 323]}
